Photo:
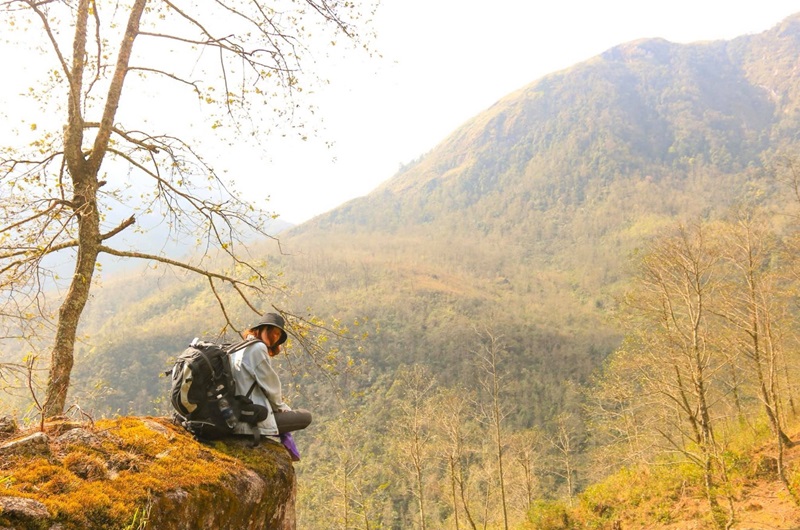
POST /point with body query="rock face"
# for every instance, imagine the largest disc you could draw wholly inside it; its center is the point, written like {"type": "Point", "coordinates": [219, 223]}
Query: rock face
{"type": "Point", "coordinates": [246, 499]}
{"type": "Point", "coordinates": [143, 473]}
{"type": "Point", "coordinates": [22, 508]}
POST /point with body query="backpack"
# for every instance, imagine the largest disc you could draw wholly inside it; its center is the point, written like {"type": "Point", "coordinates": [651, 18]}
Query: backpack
{"type": "Point", "coordinates": [204, 394]}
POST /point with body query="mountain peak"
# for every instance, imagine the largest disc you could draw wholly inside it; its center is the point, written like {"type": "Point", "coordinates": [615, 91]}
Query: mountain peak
{"type": "Point", "coordinates": [654, 50]}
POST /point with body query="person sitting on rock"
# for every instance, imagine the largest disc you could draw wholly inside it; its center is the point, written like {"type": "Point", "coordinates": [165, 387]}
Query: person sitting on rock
{"type": "Point", "coordinates": [253, 364]}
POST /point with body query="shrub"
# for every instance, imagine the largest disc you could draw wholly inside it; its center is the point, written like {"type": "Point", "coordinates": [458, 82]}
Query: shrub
{"type": "Point", "coordinates": [548, 515]}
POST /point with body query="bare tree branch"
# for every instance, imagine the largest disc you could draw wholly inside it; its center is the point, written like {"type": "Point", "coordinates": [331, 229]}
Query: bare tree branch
{"type": "Point", "coordinates": [58, 195]}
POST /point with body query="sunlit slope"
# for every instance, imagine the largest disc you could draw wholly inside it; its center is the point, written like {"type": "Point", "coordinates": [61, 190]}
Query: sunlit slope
{"type": "Point", "coordinates": [563, 178]}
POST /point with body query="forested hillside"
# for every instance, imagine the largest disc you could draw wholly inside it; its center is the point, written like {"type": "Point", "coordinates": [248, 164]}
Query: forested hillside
{"type": "Point", "coordinates": [483, 286]}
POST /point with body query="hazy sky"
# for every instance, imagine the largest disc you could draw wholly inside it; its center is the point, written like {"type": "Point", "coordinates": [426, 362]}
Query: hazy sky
{"type": "Point", "coordinates": [447, 60]}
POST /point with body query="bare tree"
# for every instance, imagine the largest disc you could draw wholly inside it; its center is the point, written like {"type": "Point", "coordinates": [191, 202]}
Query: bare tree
{"type": "Point", "coordinates": [755, 309]}
{"type": "Point", "coordinates": [788, 170]}
{"type": "Point", "coordinates": [489, 356]}
{"type": "Point", "coordinates": [526, 448]}
{"type": "Point", "coordinates": [564, 443]}
{"type": "Point", "coordinates": [452, 426]}
{"type": "Point", "coordinates": [620, 412]}
{"type": "Point", "coordinates": [59, 193]}
{"type": "Point", "coordinates": [347, 467]}
{"type": "Point", "coordinates": [678, 283]}
{"type": "Point", "coordinates": [414, 388]}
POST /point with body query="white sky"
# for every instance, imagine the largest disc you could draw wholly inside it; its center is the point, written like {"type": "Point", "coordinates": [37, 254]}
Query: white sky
{"type": "Point", "coordinates": [447, 60]}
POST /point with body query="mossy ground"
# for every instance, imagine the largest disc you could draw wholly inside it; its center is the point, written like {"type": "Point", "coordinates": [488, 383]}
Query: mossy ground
{"type": "Point", "coordinates": [108, 482]}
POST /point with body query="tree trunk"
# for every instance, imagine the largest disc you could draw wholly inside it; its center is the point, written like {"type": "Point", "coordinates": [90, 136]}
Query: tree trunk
{"type": "Point", "coordinates": [62, 356]}
{"type": "Point", "coordinates": [83, 170]}
{"type": "Point", "coordinates": [420, 488]}
{"type": "Point", "coordinates": [452, 467]}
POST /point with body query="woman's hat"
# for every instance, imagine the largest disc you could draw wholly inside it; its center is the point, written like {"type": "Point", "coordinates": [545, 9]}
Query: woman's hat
{"type": "Point", "coordinates": [274, 319]}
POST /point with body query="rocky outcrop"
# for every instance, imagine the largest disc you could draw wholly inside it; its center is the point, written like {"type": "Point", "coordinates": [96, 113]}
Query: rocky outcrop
{"type": "Point", "coordinates": [24, 509]}
{"type": "Point", "coordinates": [142, 473]}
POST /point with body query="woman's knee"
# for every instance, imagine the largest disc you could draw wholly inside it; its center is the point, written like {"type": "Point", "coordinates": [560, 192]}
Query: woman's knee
{"type": "Point", "coordinates": [293, 420]}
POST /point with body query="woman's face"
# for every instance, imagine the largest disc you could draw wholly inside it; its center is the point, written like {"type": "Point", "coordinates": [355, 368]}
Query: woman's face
{"type": "Point", "coordinates": [271, 335]}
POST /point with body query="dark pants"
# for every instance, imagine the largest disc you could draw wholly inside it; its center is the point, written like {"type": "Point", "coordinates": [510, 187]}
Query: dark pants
{"type": "Point", "coordinates": [292, 420]}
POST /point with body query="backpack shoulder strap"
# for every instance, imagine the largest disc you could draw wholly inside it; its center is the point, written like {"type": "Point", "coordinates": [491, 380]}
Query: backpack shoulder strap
{"type": "Point", "coordinates": [203, 355]}
{"type": "Point", "coordinates": [242, 344]}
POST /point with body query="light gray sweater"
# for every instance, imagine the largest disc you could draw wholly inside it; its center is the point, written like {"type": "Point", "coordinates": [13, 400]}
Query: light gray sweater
{"type": "Point", "coordinates": [253, 364]}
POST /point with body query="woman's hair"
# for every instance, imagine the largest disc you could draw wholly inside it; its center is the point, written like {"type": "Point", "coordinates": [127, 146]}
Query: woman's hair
{"type": "Point", "coordinates": [250, 332]}
{"type": "Point", "coordinates": [254, 332]}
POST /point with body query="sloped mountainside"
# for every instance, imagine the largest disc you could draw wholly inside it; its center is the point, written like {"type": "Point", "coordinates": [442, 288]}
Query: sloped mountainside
{"type": "Point", "coordinates": [523, 220]}
{"type": "Point", "coordinates": [141, 473]}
